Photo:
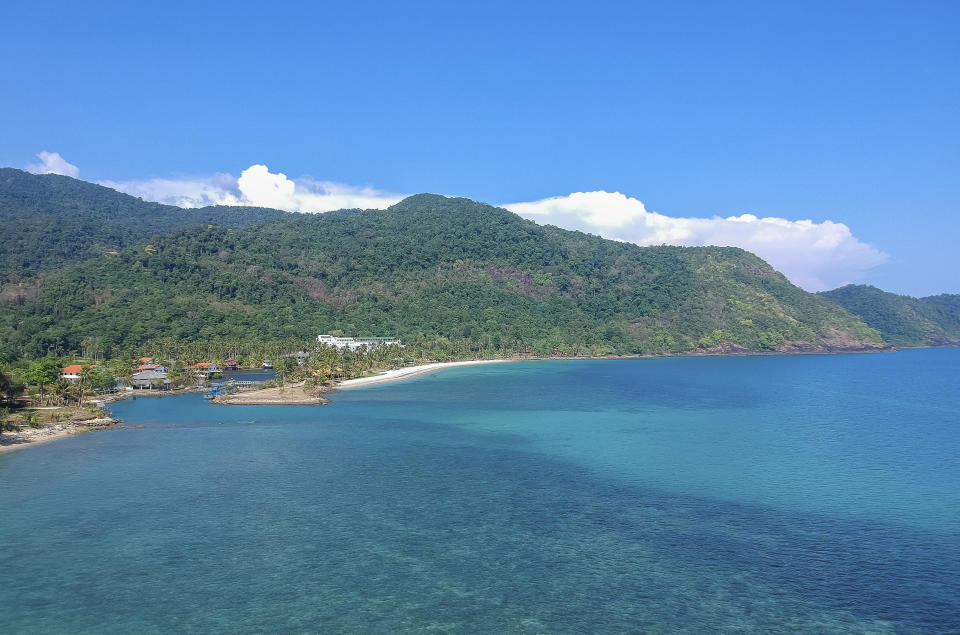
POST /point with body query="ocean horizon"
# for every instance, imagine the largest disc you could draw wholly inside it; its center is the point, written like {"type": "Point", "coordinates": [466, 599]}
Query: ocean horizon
{"type": "Point", "coordinates": [816, 493]}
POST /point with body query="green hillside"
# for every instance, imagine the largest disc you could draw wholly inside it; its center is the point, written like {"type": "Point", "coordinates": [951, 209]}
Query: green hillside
{"type": "Point", "coordinates": [48, 221]}
{"type": "Point", "coordinates": [456, 275]}
{"type": "Point", "coordinates": [901, 319]}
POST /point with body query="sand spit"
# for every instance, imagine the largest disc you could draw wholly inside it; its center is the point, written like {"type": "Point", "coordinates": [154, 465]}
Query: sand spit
{"type": "Point", "coordinates": [289, 395]}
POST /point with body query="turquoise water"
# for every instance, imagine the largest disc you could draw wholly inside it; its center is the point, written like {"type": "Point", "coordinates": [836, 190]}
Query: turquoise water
{"type": "Point", "coordinates": [747, 494]}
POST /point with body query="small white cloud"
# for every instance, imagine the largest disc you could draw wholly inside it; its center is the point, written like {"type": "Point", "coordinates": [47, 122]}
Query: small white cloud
{"type": "Point", "coordinates": [53, 163]}
{"type": "Point", "coordinates": [260, 187]}
{"type": "Point", "coordinates": [815, 256]}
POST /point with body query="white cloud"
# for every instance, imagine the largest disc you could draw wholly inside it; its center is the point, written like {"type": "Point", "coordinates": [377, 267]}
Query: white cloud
{"type": "Point", "coordinates": [53, 163]}
{"type": "Point", "coordinates": [219, 189]}
{"type": "Point", "coordinates": [815, 256]}
{"type": "Point", "coordinates": [259, 187]}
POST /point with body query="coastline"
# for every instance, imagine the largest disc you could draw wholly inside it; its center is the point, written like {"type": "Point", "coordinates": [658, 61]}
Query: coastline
{"type": "Point", "coordinates": [295, 395]}
{"type": "Point", "coordinates": [413, 371]}
{"type": "Point", "coordinates": [290, 395]}
{"type": "Point", "coordinates": [29, 437]}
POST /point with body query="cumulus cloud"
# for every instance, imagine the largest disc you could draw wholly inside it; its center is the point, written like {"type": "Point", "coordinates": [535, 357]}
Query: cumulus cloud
{"type": "Point", "coordinates": [219, 189]}
{"type": "Point", "coordinates": [260, 187]}
{"type": "Point", "coordinates": [53, 163]}
{"type": "Point", "coordinates": [815, 256]}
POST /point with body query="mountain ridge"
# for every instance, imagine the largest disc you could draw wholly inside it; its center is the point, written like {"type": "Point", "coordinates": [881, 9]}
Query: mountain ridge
{"type": "Point", "coordinates": [451, 273]}
{"type": "Point", "coordinates": [49, 220]}
{"type": "Point", "coordinates": [903, 320]}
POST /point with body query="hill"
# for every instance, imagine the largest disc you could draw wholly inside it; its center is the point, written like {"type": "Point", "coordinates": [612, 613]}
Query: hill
{"type": "Point", "coordinates": [450, 274]}
{"type": "Point", "coordinates": [901, 319]}
{"type": "Point", "coordinates": [48, 221]}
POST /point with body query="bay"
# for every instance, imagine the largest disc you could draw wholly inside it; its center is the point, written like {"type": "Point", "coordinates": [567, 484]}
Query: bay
{"type": "Point", "coordinates": [747, 494]}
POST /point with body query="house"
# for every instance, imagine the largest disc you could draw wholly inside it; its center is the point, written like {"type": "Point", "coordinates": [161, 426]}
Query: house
{"type": "Point", "coordinates": [353, 343]}
{"type": "Point", "coordinates": [206, 368]}
{"type": "Point", "coordinates": [72, 372]}
{"type": "Point", "coordinates": [150, 378]}
{"type": "Point", "coordinates": [150, 366]}
{"type": "Point", "coordinates": [231, 364]}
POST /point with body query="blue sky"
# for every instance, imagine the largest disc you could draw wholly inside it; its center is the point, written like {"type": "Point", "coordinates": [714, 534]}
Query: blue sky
{"type": "Point", "coordinates": [847, 112]}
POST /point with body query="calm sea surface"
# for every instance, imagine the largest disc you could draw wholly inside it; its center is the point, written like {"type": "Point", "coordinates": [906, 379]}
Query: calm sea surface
{"type": "Point", "coordinates": [747, 494]}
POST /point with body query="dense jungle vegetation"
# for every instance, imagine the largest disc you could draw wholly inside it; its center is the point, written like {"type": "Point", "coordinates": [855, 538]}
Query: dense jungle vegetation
{"type": "Point", "coordinates": [48, 221]}
{"type": "Point", "coordinates": [901, 319]}
{"type": "Point", "coordinates": [451, 277]}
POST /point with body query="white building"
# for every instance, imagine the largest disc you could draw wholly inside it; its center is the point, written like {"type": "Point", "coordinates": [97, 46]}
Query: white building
{"type": "Point", "coordinates": [72, 372]}
{"type": "Point", "coordinates": [353, 343]}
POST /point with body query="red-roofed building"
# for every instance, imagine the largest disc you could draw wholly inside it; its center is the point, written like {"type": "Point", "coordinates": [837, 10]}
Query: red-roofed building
{"type": "Point", "coordinates": [72, 372]}
{"type": "Point", "coordinates": [207, 367]}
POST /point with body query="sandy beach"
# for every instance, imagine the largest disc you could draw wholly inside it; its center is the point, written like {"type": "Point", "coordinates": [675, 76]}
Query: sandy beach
{"type": "Point", "coordinates": [412, 371]}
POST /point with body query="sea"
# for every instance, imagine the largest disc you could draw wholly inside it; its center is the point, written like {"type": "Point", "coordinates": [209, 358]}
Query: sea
{"type": "Point", "coordinates": [756, 494]}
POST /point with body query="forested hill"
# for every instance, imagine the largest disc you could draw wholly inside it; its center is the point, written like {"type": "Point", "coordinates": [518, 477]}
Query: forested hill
{"type": "Point", "coordinates": [452, 274]}
{"type": "Point", "coordinates": [48, 220]}
{"type": "Point", "coordinates": [901, 319]}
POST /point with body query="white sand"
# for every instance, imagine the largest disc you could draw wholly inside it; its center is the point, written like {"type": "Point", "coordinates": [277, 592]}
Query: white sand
{"type": "Point", "coordinates": [412, 371]}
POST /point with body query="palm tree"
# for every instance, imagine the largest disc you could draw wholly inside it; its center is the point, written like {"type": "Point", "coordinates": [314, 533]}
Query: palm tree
{"type": "Point", "coordinates": [82, 382]}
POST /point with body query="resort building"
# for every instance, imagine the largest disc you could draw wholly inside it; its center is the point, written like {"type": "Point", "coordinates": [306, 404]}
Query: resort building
{"type": "Point", "coordinates": [207, 368]}
{"type": "Point", "coordinates": [72, 372]}
{"type": "Point", "coordinates": [150, 378]}
{"type": "Point", "coordinates": [353, 343]}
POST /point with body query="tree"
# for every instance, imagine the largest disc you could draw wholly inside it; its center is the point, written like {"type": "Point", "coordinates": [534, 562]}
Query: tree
{"type": "Point", "coordinates": [42, 372]}
{"type": "Point", "coordinates": [63, 390]}
{"type": "Point", "coordinates": [285, 366]}
{"type": "Point", "coordinates": [101, 379]}
{"type": "Point", "coordinates": [85, 375]}
{"type": "Point", "coordinates": [9, 388]}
